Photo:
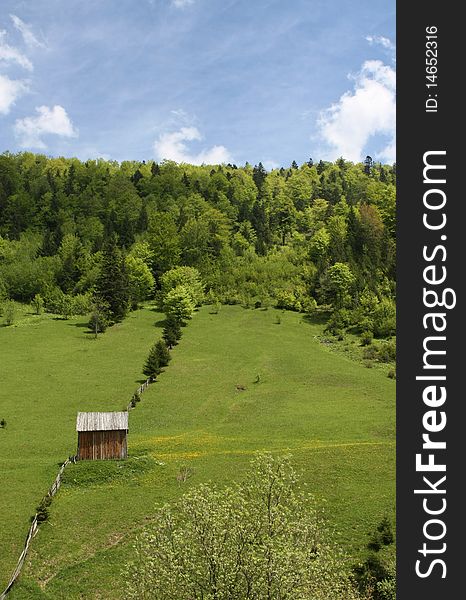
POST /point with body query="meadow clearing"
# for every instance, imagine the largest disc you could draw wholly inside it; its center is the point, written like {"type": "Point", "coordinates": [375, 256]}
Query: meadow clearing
{"type": "Point", "coordinates": [239, 381]}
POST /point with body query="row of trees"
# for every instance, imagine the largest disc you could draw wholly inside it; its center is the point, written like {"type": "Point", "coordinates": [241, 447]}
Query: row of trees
{"type": "Point", "coordinates": [181, 292]}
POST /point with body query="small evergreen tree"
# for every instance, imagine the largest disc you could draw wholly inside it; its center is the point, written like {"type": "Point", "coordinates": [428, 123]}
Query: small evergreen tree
{"type": "Point", "coordinates": [158, 357]}
{"type": "Point", "coordinates": [152, 366]}
{"type": "Point", "coordinates": [171, 332]}
{"type": "Point", "coordinates": [162, 353]}
{"type": "Point", "coordinates": [113, 284]}
{"type": "Point", "coordinates": [135, 399]}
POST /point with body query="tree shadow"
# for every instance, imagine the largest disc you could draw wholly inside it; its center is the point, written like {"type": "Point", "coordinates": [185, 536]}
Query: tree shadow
{"type": "Point", "coordinates": [161, 323]}
{"type": "Point", "coordinates": [80, 325]}
{"type": "Point", "coordinates": [317, 318]}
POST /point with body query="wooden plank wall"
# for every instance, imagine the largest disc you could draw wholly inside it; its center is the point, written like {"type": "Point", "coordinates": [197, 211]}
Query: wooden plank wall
{"type": "Point", "coordinates": [101, 445]}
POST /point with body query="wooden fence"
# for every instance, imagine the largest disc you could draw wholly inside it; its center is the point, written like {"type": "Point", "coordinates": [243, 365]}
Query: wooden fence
{"type": "Point", "coordinates": [139, 391]}
{"type": "Point", "coordinates": [50, 494]}
{"type": "Point", "coordinates": [34, 527]}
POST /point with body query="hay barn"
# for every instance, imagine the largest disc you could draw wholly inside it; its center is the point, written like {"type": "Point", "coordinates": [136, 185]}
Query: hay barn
{"type": "Point", "coordinates": [102, 435]}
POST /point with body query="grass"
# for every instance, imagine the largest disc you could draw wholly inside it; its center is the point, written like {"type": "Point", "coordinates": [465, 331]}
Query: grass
{"type": "Point", "coordinates": [209, 412]}
{"type": "Point", "coordinates": [50, 370]}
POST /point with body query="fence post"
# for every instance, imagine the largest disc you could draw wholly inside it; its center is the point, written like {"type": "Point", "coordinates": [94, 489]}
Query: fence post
{"type": "Point", "coordinates": [34, 527]}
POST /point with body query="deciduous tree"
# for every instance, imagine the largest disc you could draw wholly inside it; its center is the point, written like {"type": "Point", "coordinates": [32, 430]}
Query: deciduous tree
{"type": "Point", "coordinates": [261, 539]}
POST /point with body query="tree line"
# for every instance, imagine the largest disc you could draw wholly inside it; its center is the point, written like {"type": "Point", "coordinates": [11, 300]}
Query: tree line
{"type": "Point", "coordinates": [297, 238]}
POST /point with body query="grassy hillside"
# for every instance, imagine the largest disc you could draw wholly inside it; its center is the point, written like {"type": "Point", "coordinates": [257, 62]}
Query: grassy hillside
{"type": "Point", "coordinates": [206, 413]}
{"type": "Point", "coordinates": [50, 369]}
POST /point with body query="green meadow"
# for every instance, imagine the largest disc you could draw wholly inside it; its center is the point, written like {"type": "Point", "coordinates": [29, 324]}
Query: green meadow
{"type": "Point", "coordinates": [239, 381]}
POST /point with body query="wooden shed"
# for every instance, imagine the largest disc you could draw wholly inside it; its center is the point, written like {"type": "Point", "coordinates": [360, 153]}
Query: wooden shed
{"type": "Point", "coordinates": [102, 435]}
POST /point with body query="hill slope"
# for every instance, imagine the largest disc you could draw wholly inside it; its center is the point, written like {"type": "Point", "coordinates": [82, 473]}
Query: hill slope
{"type": "Point", "coordinates": [206, 413]}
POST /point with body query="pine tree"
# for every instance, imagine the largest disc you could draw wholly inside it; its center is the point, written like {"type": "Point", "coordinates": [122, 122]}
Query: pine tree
{"type": "Point", "coordinates": [320, 167]}
{"type": "Point", "coordinates": [368, 164]}
{"type": "Point", "coordinates": [113, 286]}
{"type": "Point", "coordinates": [162, 353]}
{"type": "Point", "coordinates": [172, 331]}
{"type": "Point", "coordinates": [136, 177]}
{"type": "Point", "coordinates": [158, 357]}
{"type": "Point", "coordinates": [152, 366]}
{"type": "Point", "coordinates": [259, 175]}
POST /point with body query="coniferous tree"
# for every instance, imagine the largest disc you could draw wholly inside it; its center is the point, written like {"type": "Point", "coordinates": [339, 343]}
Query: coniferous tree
{"type": "Point", "coordinates": [162, 353]}
{"type": "Point", "coordinates": [152, 366]}
{"type": "Point", "coordinates": [259, 175]}
{"type": "Point", "coordinates": [136, 178]}
{"type": "Point", "coordinates": [158, 357]}
{"type": "Point", "coordinates": [112, 284]}
{"type": "Point", "coordinates": [171, 332]}
{"type": "Point", "coordinates": [368, 164]}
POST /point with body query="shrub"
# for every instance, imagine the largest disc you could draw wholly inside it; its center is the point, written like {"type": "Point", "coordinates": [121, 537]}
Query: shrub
{"type": "Point", "coordinates": [387, 351]}
{"type": "Point", "coordinates": [338, 321]}
{"type": "Point", "coordinates": [136, 397]}
{"type": "Point", "coordinates": [366, 338]}
{"type": "Point", "coordinates": [81, 304]}
{"type": "Point", "coordinates": [38, 304]}
{"type": "Point", "coordinates": [42, 510]}
{"type": "Point", "coordinates": [9, 313]}
{"type": "Point", "coordinates": [287, 300]}
{"type": "Point", "coordinates": [384, 352]}
{"type": "Point", "coordinates": [376, 576]}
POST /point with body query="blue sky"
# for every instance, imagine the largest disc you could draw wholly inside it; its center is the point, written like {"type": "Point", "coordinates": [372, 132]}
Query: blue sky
{"type": "Point", "coordinates": [198, 80]}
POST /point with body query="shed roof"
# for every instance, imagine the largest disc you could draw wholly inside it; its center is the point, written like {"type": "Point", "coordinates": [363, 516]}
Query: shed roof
{"type": "Point", "coordinates": [101, 421]}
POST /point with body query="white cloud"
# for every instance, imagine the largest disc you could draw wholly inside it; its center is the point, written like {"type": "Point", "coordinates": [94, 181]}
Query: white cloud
{"type": "Point", "coordinates": [26, 31]}
{"type": "Point", "coordinates": [172, 146]}
{"type": "Point", "coordinates": [10, 91]}
{"type": "Point", "coordinates": [382, 41]}
{"type": "Point", "coordinates": [49, 121]}
{"type": "Point", "coordinates": [367, 110]}
{"type": "Point", "coordinates": [9, 54]}
{"type": "Point", "coordinates": [91, 153]}
{"type": "Point", "coordinates": [270, 164]}
{"type": "Point", "coordinates": [181, 3]}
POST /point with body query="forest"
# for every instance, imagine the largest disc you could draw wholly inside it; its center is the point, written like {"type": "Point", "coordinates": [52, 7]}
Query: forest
{"type": "Point", "coordinates": [303, 238]}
